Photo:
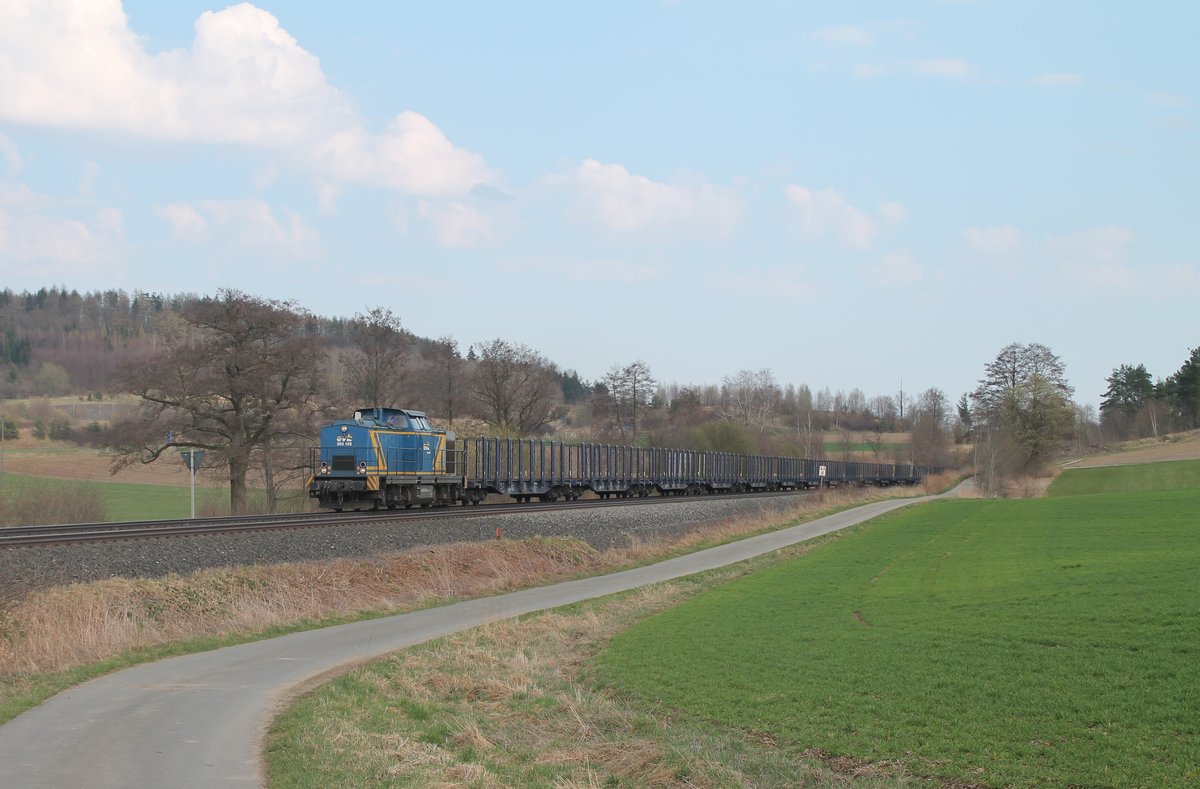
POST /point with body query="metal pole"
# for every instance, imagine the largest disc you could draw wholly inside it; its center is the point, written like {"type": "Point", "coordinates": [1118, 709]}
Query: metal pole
{"type": "Point", "coordinates": [192, 468]}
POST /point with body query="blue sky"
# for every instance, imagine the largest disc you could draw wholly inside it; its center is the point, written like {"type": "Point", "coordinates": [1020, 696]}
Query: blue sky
{"type": "Point", "coordinates": [851, 194]}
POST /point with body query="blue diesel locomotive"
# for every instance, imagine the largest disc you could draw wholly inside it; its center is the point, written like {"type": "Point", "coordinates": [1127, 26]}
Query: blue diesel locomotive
{"type": "Point", "coordinates": [388, 457]}
{"type": "Point", "coordinates": [385, 457]}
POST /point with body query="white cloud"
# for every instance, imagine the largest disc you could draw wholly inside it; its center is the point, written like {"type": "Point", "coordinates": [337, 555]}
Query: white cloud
{"type": "Point", "coordinates": [1098, 245]}
{"type": "Point", "coordinates": [247, 222]}
{"type": "Point", "coordinates": [56, 246]}
{"type": "Point", "coordinates": [1093, 262]}
{"type": "Point", "coordinates": [1057, 79]}
{"type": "Point", "coordinates": [327, 197]}
{"type": "Point", "coordinates": [893, 213]}
{"type": "Point", "coordinates": [1181, 275]}
{"type": "Point", "coordinates": [458, 225]}
{"type": "Point", "coordinates": [33, 231]}
{"type": "Point", "coordinates": [626, 203]}
{"type": "Point", "coordinates": [896, 268]}
{"type": "Point", "coordinates": [12, 156]}
{"type": "Point", "coordinates": [1154, 282]}
{"type": "Point", "coordinates": [1170, 101]}
{"type": "Point", "coordinates": [954, 68]}
{"type": "Point", "coordinates": [825, 212]}
{"type": "Point", "coordinates": [412, 156]}
{"type": "Point", "coordinates": [245, 80]}
{"type": "Point", "coordinates": [87, 178]}
{"type": "Point", "coordinates": [110, 221]}
{"type": "Point", "coordinates": [993, 241]}
{"type": "Point", "coordinates": [844, 35]}
{"type": "Point", "coordinates": [186, 222]}
{"type": "Point", "coordinates": [948, 68]}
{"type": "Point", "coordinates": [17, 195]}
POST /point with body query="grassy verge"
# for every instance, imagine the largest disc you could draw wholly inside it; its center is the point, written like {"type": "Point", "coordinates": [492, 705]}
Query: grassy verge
{"type": "Point", "coordinates": [505, 705]}
{"type": "Point", "coordinates": [1167, 475]}
{"type": "Point", "coordinates": [1003, 643]}
{"type": "Point", "coordinates": [120, 501]}
{"type": "Point", "coordinates": [53, 638]}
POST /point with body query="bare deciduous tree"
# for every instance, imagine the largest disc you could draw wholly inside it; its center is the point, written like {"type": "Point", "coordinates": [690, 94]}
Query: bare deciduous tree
{"type": "Point", "coordinates": [751, 398]}
{"type": "Point", "coordinates": [515, 387]}
{"type": "Point", "coordinates": [629, 389]}
{"type": "Point", "coordinates": [445, 379]}
{"type": "Point", "coordinates": [243, 377]}
{"type": "Point", "coordinates": [375, 369]}
{"type": "Point", "coordinates": [930, 418]}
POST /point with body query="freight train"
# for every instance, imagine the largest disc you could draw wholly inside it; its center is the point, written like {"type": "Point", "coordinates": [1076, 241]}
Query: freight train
{"type": "Point", "coordinates": [391, 457]}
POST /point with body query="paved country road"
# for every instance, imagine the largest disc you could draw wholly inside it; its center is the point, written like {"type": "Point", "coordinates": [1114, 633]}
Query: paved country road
{"type": "Point", "coordinates": [198, 720]}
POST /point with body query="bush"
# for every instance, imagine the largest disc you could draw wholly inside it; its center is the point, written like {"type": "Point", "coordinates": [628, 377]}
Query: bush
{"type": "Point", "coordinates": [30, 502]}
{"type": "Point", "coordinates": [60, 430]}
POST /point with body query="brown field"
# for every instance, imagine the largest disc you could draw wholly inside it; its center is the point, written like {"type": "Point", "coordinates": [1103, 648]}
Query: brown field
{"type": "Point", "coordinates": [55, 460]}
{"type": "Point", "coordinates": [1177, 446]}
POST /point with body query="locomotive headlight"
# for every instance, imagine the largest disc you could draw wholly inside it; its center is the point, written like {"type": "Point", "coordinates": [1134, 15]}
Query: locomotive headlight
{"type": "Point", "coordinates": [362, 467]}
{"type": "Point", "coordinates": [324, 468]}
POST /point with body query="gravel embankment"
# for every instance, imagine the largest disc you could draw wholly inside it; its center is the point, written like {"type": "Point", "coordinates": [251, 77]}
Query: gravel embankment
{"type": "Point", "coordinates": [609, 526]}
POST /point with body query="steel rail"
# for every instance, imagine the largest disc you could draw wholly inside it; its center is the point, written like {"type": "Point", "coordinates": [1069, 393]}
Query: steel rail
{"type": "Point", "coordinates": [31, 536]}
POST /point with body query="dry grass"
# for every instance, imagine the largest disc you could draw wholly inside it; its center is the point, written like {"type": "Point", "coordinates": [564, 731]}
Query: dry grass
{"type": "Point", "coordinates": [525, 711]}
{"type": "Point", "coordinates": [60, 627]}
{"type": "Point", "coordinates": [507, 705]}
{"type": "Point", "coordinates": [43, 501]}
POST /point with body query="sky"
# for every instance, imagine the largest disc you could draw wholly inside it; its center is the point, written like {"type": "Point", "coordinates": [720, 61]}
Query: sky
{"type": "Point", "coordinates": [852, 195]}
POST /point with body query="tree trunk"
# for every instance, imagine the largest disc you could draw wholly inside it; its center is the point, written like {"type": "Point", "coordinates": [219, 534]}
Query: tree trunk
{"type": "Point", "coordinates": [237, 484]}
{"type": "Point", "coordinates": [269, 476]}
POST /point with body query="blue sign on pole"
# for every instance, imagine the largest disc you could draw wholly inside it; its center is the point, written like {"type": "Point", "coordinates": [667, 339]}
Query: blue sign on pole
{"type": "Point", "coordinates": [192, 458]}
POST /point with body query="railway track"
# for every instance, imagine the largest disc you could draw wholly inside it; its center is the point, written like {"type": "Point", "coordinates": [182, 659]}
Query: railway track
{"type": "Point", "coordinates": [69, 534]}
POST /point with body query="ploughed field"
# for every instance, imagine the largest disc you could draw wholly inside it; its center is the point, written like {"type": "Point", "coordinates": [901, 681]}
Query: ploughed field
{"type": "Point", "coordinates": [1035, 642]}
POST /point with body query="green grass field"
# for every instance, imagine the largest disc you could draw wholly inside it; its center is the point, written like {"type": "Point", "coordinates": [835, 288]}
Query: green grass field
{"type": "Point", "coordinates": [833, 449]}
{"type": "Point", "coordinates": [1008, 643]}
{"type": "Point", "coordinates": [1173, 475]}
{"type": "Point", "coordinates": [122, 501]}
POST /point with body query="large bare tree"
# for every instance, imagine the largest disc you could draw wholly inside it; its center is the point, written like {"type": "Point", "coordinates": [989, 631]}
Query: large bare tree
{"type": "Point", "coordinates": [375, 369]}
{"type": "Point", "coordinates": [515, 387]}
{"type": "Point", "coordinates": [629, 389]}
{"type": "Point", "coordinates": [240, 381]}
{"type": "Point", "coordinates": [931, 429]}
{"type": "Point", "coordinates": [751, 398]}
{"type": "Point", "coordinates": [444, 383]}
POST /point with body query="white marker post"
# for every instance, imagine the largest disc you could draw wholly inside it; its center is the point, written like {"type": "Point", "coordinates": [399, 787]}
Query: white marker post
{"type": "Point", "coordinates": [192, 458]}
